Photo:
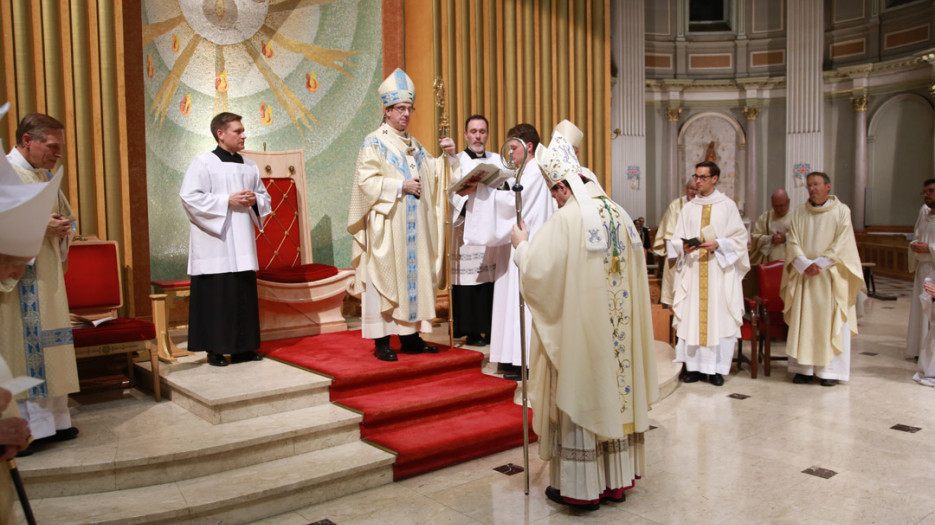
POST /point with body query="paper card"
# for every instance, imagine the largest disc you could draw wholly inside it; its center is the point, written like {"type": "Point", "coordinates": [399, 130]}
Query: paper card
{"type": "Point", "coordinates": [20, 384]}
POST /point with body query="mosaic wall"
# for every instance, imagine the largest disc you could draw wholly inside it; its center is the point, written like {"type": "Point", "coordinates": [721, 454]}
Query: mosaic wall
{"type": "Point", "coordinates": [303, 74]}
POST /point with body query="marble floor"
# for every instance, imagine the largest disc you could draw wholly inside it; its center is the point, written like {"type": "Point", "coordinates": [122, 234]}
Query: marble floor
{"type": "Point", "coordinates": [718, 459]}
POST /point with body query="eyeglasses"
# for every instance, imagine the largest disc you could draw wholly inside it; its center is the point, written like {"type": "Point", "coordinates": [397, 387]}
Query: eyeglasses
{"type": "Point", "coordinates": [928, 191]}
{"type": "Point", "coordinates": [702, 177]}
{"type": "Point", "coordinates": [404, 109]}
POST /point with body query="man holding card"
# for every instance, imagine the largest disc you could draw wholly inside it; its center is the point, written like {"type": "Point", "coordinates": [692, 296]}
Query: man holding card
{"type": "Point", "coordinates": [707, 293]}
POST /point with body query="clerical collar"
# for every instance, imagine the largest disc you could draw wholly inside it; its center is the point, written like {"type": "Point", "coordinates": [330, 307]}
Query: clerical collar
{"type": "Point", "coordinates": [227, 156]}
{"type": "Point", "coordinates": [470, 153]}
{"type": "Point", "coordinates": [822, 205]}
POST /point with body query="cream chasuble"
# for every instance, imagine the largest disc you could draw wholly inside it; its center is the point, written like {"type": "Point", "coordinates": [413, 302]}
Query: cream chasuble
{"type": "Point", "coordinates": [762, 249]}
{"type": "Point", "coordinates": [35, 325]}
{"type": "Point", "coordinates": [922, 264]}
{"type": "Point", "coordinates": [707, 292]}
{"type": "Point", "coordinates": [817, 308]}
{"type": "Point", "coordinates": [660, 246]}
{"type": "Point", "coordinates": [398, 239]}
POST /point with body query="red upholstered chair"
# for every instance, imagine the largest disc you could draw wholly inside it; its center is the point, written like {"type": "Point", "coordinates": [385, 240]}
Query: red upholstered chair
{"type": "Point", "coordinates": [94, 288]}
{"type": "Point", "coordinates": [772, 325]}
{"type": "Point", "coordinates": [296, 296]}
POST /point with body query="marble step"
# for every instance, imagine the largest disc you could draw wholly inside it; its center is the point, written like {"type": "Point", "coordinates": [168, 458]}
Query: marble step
{"type": "Point", "coordinates": [235, 496]}
{"type": "Point", "coordinates": [236, 392]}
{"type": "Point", "coordinates": [136, 443]}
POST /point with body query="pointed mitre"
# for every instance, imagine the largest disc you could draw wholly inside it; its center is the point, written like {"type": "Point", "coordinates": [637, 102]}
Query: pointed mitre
{"type": "Point", "coordinates": [397, 87]}
{"type": "Point", "coordinates": [571, 132]}
{"type": "Point", "coordinates": [24, 211]}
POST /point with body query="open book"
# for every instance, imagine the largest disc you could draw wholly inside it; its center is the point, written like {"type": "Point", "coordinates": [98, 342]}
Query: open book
{"type": "Point", "coordinates": [489, 173]}
{"type": "Point", "coordinates": [78, 321]}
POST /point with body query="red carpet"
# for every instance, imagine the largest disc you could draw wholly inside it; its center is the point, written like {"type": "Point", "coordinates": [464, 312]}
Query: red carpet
{"type": "Point", "coordinates": [433, 410]}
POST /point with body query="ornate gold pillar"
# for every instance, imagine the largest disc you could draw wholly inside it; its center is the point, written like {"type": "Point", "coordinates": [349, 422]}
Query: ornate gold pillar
{"type": "Point", "coordinates": [751, 187]}
{"type": "Point", "coordinates": [673, 114]}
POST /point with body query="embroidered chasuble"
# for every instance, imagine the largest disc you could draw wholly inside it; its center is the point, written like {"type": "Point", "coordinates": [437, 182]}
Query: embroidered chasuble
{"type": "Point", "coordinates": [707, 293]}
{"type": "Point", "coordinates": [398, 239]}
{"type": "Point", "coordinates": [816, 308]}
{"type": "Point", "coordinates": [35, 326]}
{"type": "Point", "coordinates": [592, 362]}
{"type": "Point", "coordinates": [762, 249]}
{"type": "Point", "coordinates": [660, 246]}
{"type": "Point", "coordinates": [922, 264]}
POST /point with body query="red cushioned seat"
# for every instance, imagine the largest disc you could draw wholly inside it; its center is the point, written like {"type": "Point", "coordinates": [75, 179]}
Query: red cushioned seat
{"type": "Point", "coordinates": [115, 331]}
{"type": "Point", "coordinates": [173, 283]}
{"type": "Point", "coordinates": [303, 273]}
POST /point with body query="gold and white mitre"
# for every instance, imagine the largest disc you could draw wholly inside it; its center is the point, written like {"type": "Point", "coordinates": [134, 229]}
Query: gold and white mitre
{"type": "Point", "coordinates": [396, 88]}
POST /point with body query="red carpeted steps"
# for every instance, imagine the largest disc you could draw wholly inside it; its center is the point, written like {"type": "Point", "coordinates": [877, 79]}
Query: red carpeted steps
{"type": "Point", "coordinates": [433, 410]}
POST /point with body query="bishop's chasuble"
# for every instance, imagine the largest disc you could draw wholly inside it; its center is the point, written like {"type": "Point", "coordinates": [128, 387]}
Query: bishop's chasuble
{"type": "Point", "coordinates": [661, 246]}
{"type": "Point", "coordinates": [922, 264]}
{"type": "Point", "coordinates": [762, 249]}
{"type": "Point", "coordinates": [818, 308]}
{"type": "Point", "coordinates": [707, 291]}
{"type": "Point", "coordinates": [35, 325]}
{"type": "Point", "coordinates": [398, 239]}
{"type": "Point", "coordinates": [592, 359]}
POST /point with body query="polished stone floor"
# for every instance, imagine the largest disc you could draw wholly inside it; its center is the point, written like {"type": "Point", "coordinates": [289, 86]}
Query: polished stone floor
{"type": "Point", "coordinates": [718, 459]}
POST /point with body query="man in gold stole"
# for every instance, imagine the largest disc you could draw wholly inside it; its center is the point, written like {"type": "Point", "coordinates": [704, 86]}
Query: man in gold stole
{"type": "Point", "coordinates": [35, 326]}
{"type": "Point", "coordinates": [710, 243]}
{"type": "Point", "coordinates": [396, 218]}
{"type": "Point", "coordinates": [922, 263]}
{"type": "Point", "coordinates": [662, 242]}
{"type": "Point", "coordinates": [592, 363]}
{"type": "Point", "coordinates": [768, 236]}
{"type": "Point", "coordinates": [820, 282]}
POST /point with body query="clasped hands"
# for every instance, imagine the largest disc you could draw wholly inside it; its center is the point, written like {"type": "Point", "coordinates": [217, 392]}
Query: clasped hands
{"type": "Point", "coordinates": [58, 226]}
{"type": "Point", "coordinates": [919, 247]}
{"type": "Point", "coordinates": [242, 198]}
{"type": "Point", "coordinates": [14, 431]}
{"type": "Point", "coordinates": [707, 245]}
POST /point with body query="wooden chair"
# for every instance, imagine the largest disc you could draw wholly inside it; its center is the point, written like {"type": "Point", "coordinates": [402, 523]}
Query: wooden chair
{"type": "Point", "coordinates": [772, 325]}
{"type": "Point", "coordinates": [95, 291]}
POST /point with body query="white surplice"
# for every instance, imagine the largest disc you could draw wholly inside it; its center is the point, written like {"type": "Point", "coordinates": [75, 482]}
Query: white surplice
{"type": "Point", "coordinates": [221, 237]}
{"type": "Point", "coordinates": [926, 373]}
{"type": "Point", "coordinates": [471, 263]}
{"type": "Point", "coordinates": [922, 264]}
{"type": "Point", "coordinates": [707, 293]}
{"type": "Point", "coordinates": [489, 222]}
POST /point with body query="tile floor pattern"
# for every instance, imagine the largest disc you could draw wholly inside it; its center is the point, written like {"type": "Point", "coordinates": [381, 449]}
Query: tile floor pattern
{"type": "Point", "coordinates": [716, 459]}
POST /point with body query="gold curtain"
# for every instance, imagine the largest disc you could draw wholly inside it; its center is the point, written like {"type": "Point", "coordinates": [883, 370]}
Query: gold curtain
{"type": "Point", "coordinates": [69, 59]}
{"type": "Point", "coordinates": [535, 61]}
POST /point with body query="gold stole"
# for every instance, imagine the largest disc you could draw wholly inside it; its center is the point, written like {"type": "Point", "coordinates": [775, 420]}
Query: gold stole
{"type": "Point", "coordinates": [703, 256]}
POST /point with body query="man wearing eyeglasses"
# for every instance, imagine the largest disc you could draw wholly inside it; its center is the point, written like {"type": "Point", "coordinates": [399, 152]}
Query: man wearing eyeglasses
{"type": "Point", "coordinates": [710, 244]}
{"type": "Point", "coordinates": [922, 262]}
{"type": "Point", "coordinates": [820, 283]}
{"type": "Point", "coordinates": [396, 220]}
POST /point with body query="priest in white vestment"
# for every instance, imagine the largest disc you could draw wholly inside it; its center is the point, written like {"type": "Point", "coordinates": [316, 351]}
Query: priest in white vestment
{"type": "Point", "coordinates": [710, 245]}
{"type": "Point", "coordinates": [592, 368]}
{"type": "Point", "coordinates": [662, 242]}
{"type": "Point", "coordinates": [224, 198]}
{"type": "Point", "coordinates": [39, 343]}
{"type": "Point", "coordinates": [820, 282]}
{"type": "Point", "coordinates": [396, 218]}
{"type": "Point", "coordinates": [922, 263]}
{"type": "Point", "coordinates": [473, 268]}
{"type": "Point", "coordinates": [490, 220]}
{"type": "Point", "coordinates": [768, 236]}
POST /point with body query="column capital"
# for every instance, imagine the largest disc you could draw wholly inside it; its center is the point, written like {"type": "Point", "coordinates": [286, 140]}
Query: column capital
{"type": "Point", "coordinates": [673, 114]}
{"type": "Point", "coordinates": [859, 101]}
{"type": "Point", "coordinates": [751, 112]}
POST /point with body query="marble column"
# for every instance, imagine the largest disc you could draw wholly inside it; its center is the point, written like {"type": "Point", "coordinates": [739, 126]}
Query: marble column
{"type": "Point", "coordinates": [675, 179]}
{"type": "Point", "coordinates": [628, 106]}
{"type": "Point", "coordinates": [859, 102]}
{"type": "Point", "coordinates": [751, 186]}
{"type": "Point", "coordinates": [804, 95]}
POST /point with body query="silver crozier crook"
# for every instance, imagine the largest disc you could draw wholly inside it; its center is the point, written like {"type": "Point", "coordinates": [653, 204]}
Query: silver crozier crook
{"type": "Point", "coordinates": [506, 156]}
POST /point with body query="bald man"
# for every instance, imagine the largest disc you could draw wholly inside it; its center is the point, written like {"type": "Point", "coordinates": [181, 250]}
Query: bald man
{"type": "Point", "coordinates": [768, 237]}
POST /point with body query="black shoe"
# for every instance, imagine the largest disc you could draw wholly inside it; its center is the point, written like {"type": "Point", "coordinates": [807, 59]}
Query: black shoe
{"type": "Point", "coordinates": [802, 379]}
{"type": "Point", "coordinates": [246, 356]}
{"type": "Point", "coordinates": [474, 340]}
{"type": "Point", "coordinates": [413, 344]}
{"type": "Point", "coordinates": [716, 379]}
{"type": "Point", "coordinates": [683, 372]}
{"type": "Point", "coordinates": [216, 359]}
{"type": "Point", "coordinates": [515, 375]}
{"type": "Point", "coordinates": [383, 352]}
{"type": "Point", "coordinates": [828, 382]}
{"type": "Point", "coordinates": [66, 434]}
{"type": "Point", "coordinates": [556, 495]}
{"type": "Point", "coordinates": [621, 499]}
{"type": "Point", "coordinates": [503, 368]}
{"type": "Point", "coordinates": [691, 377]}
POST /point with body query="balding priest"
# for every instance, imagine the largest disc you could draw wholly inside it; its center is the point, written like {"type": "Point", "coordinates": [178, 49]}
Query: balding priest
{"type": "Point", "coordinates": [396, 219]}
{"type": "Point", "coordinates": [592, 368]}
